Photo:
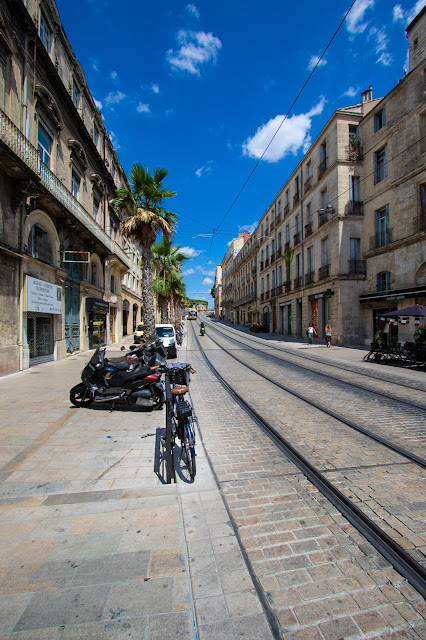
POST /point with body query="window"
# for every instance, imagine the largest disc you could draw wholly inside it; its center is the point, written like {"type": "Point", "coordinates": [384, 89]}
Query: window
{"type": "Point", "coordinates": [298, 265]}
{"type": "Point", "coordinates": [383, 281]}
{"type": "Point", "coordinates": [422, 194]}
{"type": "Point", "coordinates": [39, 245]}
{"type": "Point", "coordinates": [354, 189]}
{"type": "Point", "coordinates": [310, 260]}
{"type": "Point", "coordinates": [309, 168]}
{"type": "Point", "coordinates": [94, 279]}
{"type": "Point", "coordinates": [298, 223]}
{"type": "Point", "coordinates": [279, 242]}
{"type": "Point", "coordinates": [112, 286]}
{"type": "Point", "coordinates": [287, 197]}
{"type": "Point", "coordinates": [280, 276]}
{"type": "Point", "coordinates": [113, 172]}
{"type": "Point", "coordinates": [262, 286]}
{"type": "Point", "coordinates": [261, 256]}
{"type": "Point", "coordinates": [75, 182]}
{"type": "Point", "coordinates": [287, 234]}
{"type": "Point", "coordinates": [273, 279]}
{"type": "Point", "coordinates": [45, 144]}
{"type": "Point", "coordinates": [353, 133]}
{"type": "Point", "coordinates": [323, 151]}
{"type": "Point", "coordinates": [355, 249]}
{"type": "Point", "coordinates": [422, 141]}
{"type": "Point", "coordinates": [96, 201]}
{"type": "Point", "coordinates": [324, 252]}
{"type": "Point", "coordinates": [267, 252]}
{"type": "Point", "coordinates": [381, 164]}
{"type": "Point", "coordinates": [380, 119]}
{"type": "Point", "coordinates": [75, 95]}
{"type": "Point", "coordinates": [324, 199]}
{"type": "Point", "coordinates": [382, 226]}
{"type": "Point", "coordinates": [95, 135]}
{"type": "Point", "coordinates": [309, 212]}
{"type": "Point", "coordinates": [45, 34]}
{"type": "Point", "coordinates": [296, 184]}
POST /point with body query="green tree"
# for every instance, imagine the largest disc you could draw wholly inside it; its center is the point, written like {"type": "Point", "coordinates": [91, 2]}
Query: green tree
{"type": "Point", "coordinates": [145, 217]}
{"type": "Point", "coordinates": [288, 259]}
{"type": "Point", "coordinates": [167, 260]}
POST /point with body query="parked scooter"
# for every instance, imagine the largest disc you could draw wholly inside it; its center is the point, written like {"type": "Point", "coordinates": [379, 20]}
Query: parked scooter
{"type": "Point", "coordinates": [202, 329]}
{"type": "Point", "coordinates": [123, 382]}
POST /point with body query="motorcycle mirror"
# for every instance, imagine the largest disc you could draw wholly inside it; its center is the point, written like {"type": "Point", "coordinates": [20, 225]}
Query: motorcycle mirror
{"type": "Point", "coordinates": [122, 348]}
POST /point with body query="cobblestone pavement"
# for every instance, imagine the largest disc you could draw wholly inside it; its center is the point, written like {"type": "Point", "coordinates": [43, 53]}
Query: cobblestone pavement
{"type": "Point", "coordinates": [319, 575]}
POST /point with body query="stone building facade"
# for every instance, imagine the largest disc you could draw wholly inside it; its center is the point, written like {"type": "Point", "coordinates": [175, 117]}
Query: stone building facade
{"type": "Point", "coordinates": [344, 239]}
{"type": "Point", "coordinates": [229, 312]}
{"type": "Point", "coordinates": [62, 258]}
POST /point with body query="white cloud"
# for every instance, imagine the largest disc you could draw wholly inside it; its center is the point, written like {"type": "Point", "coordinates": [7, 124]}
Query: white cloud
{"type": "Point", "coordinates": [196, 49]}
{"type": "Point", "coordinates": [207, 281]}
{"type": "Point", "coordinates": [351, 92]}
{"type": "Point", "coordinates": [192, 10]}
{"type": "Point", "coordinates": [381, 44]}
{"type": "Point", "coordinates": [291, 136]}
{"type": "Point", "coordinates": [415, 10]}
{"type": "Point", "coordinates": [113, 75]}
{"type": "Point", "coordinates": [354, 21]}
{"type": "Point", "coordinates": [314, 61]}
{"type": "Point", "coordinates": [143, 108]}
{"type": "Point", "coordinates": [205, 169]}
{"type": "Point", "coordinates": [190, 252]}
{"type": "Point", "coordinates": [114, 140]}
{"type": "Point", "coordinates": [155, 88]}
{"type": "Point", "coordinates": [188, 272]}
{"type": "Point", "coordinates": [114, 98]}
{"type": "Point", "coordinates": [98, 103]}
{"type": "Point", "coordinates": [249, 227]}
{"type": "Point", "coordinates": [398, 13]}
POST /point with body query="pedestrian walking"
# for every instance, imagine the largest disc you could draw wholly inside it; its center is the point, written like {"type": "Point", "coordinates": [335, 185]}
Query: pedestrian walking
{"type": "Point", "coordinates": [328, 334]}
{"type": "Point", "coordinates": [310, 333]}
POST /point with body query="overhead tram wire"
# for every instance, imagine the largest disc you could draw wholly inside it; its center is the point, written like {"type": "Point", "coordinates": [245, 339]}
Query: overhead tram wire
{"type": "Point", "coordinates": [216, 230]}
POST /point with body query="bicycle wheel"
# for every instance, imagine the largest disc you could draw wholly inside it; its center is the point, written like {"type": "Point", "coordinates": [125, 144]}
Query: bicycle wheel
{"type": "Point", "coordinates": [189, 450]}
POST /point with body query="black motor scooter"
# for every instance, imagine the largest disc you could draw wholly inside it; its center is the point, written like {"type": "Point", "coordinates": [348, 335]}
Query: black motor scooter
{"type": "Point", "coordinates": [123, 382]}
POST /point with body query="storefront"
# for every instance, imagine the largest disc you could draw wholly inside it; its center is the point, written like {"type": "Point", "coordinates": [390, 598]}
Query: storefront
{"type": "Point", "coordinates": [97, 311]}
{"type": "Point", "coordinates": [43, 303]}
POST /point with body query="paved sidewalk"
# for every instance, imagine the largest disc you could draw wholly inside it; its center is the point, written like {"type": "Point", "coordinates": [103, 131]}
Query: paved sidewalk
{"type": "Point", "coordinates": [93, 544]}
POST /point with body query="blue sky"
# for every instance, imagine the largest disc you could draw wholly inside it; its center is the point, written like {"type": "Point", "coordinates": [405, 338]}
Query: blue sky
{"type": "Point", "coordinates": [201, 87]}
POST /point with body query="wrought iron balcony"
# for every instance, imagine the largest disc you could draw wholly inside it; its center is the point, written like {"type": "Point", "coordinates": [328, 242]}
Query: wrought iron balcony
{"type": "Point", "coordinates": [278, 219]}
{"type": "Point", "coordinates": [287, 286]}
{"type": "Point", "coordinates": [20, 145]}
{"type": "Point", "coordinates": [324, 272]}
{"type": "Point", "coordinates": [296, 238]}
{"type": "Point", "coordinates": [286, 209]}
{"type": "Point", "coordinates": [261, 266]}
{"type": "Point", "coordinates": [266, 262]}
{"type": "Point", "coordinates": [322, 168]}
{"type": "Point", "coordinates": [357, 267]}
{"type": "Point", "coordinates": [355, 208]}
{"type": "Point", "coordinates": [296, 198]}
{"type": "Point", "coordinates": [381, 239]}
{"type": "Point", "coordinates": [324, 215]}
{"type": "Point", "coordinates": [354, 153]}
{"type": "Point", "coordinates": [309, 277]}
{"type": "Point", "coordinates": [272, 227]}
{"type": "Point", "coordinates": [308, 229]}
{"type": "Point", "coordinates": [272, 257]}
{"type": "Point", "coordinates": [308, 184]}
{"type": "Point", "coordinates": [286, 246]}
{"type": "Point", "coordinates": [297, 282]}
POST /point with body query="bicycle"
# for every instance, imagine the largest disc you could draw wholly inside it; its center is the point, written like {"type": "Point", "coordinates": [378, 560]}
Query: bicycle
{"type": "Point", "coordinates": [181, 415]}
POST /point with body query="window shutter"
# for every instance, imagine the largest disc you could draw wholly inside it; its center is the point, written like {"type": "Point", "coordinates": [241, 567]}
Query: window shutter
{"type": "Point", "coordinates": [379, 282]}
{"type": "Point", "coordinates": [375, 167]}
{"type": "Point", "coordinates": [384, 116]}
{"type": "Point", "coordinates": [387, 217]}
{"type": "Point", "coordinates": [385, 167]}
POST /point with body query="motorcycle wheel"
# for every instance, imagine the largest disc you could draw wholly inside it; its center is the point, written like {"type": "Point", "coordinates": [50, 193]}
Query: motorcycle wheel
{"type": "Point", "coordinates": [159, 399]}
{"type": "Point", "coordinates": [80, 396]}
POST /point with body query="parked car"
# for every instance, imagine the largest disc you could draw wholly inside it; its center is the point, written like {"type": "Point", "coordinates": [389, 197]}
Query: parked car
{"type": "Point", "coordinates": [167, 335]}
{"type": "Point", "coordinates": [138, 337]}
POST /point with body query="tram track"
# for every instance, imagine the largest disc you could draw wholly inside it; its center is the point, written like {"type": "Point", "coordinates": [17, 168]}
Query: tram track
{"type": "Point", "coordinates": [400, 558]}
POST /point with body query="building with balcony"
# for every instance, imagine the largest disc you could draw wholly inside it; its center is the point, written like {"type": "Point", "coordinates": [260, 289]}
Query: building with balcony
{"type": "Point", "coordinates": [245, 277]}
{"type": "Point", "coordinates": [229, 284]}
{"type": "Point", "coordinates": [394, 194]}
{"type": "Point", "coordinates": [218, 291]}
{"type": "Point", "coordinates": [69, 279]}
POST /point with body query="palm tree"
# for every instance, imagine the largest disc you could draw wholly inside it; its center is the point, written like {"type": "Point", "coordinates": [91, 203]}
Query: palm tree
{"type": "Point", "coordinates": [144, 218]}
{"type": "Point", "coordinates": [167, 260]}
{"type": "Point", "coordinates": [178, 298]}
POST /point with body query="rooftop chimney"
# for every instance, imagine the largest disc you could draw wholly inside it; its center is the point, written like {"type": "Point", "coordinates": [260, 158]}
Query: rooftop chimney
{"type": "Point", "coordinates": [367, 94]}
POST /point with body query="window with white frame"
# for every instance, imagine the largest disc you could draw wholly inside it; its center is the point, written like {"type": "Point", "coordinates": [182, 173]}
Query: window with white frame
{"type": "Point", "coordinates": [75, 182]}
{"type": "Point", "coordinates": [383, 281]}
{"type": "Point", "coordinates": [287, 233]}
{"type": "Point", "coordinates": [324, 252]}
{"type": "Point", "coordinates": [382, 226]}
{"type": "Point", "coordinates": [96, 206]}
{"type": "Point", "coordinates": [95, 135]}
{"type": "Point", "coordinates": [380, 164]}
{"type": "Point", "coordinates": [45, 144]}
{"type": "Point", "coordinates": [354, 189]}
{"type": "Point", "coordinates": [380, 119]}
{"type": "Point", "coordinates": [310, 260]}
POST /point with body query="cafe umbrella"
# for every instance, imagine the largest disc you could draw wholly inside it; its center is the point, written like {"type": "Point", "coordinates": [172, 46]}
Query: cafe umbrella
{"type": "Point", "coordinates": [415, 310]}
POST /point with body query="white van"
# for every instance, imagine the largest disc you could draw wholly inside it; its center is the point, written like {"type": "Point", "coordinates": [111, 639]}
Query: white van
{"type": "Point", "coordinates": [167, 335]}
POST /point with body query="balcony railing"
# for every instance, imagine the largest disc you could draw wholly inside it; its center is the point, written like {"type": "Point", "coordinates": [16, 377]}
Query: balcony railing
{"type": "Point", "coordinates": [262, 297]}
{"type": "Point", "coordinates": [357, 267]}
{"type": "Point", "coordinates": [266, 262]}
{"type": "Point", "coordinates": [354, 153]}
{"type": "Point", "coordinates": [309, 277]}
{"type": "Point", "coordinates": [278, 289]}
{"type": "Point", "coordinates": [272, 227]}
{"type": "Point", "coordinates": [286, 209]}
{"type": "Point", "coordinates": [322, 168]}
{"type": "Point", "coordinates": [278, 218]}
{"type": "Point", "coordinates": [296, 238]}
{"type": "Point", "coordinates": [324, 272]}
{"type": "Point", "coordinates": [308, 184]}
{"type": "Point", "coordinates": [296, 198]}
{"type": "Point", "coordinates": [323, 217]}
{"type": "Point", "coordinates": [287, 246]}
{"type": "Point", "coordinates": [308, 229]}
{"type": "Point", "coordinates": [261, 266]}
{"type": "Point", "coordinates": [287, 286]}
{"type": "Point", "coordinates": [18, 143]}
{"type": "Point", "coordinates": [272, 257]}
{"type": "Point", "coordinates": [354, 208]}
{"type": "Point", "coordinates": [381, 239]}
{"type": "Point", "coordinates": [297, 282]}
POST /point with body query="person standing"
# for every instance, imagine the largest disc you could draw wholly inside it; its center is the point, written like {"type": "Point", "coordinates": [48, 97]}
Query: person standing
{"type": "Point", "coordinates": [310, 333]}
{"type": "Point", "coordinates": [328, 334]}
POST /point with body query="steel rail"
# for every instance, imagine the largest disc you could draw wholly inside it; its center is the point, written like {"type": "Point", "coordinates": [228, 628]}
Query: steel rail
{"type": "Point", "coordinates": [411, 570]}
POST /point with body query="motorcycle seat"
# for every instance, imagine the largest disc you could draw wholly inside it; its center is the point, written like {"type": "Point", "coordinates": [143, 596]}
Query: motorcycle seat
{"type": "Point", "coordinates": [119, 364]}
{"type": "Point", "coordinates": [179, 389]}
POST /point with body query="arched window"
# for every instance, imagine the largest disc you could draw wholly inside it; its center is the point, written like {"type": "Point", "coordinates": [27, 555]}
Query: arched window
{"type": "Point", "coordinates": [94, 276]}
{"type": "Point", "coordinates": [39, 245]}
